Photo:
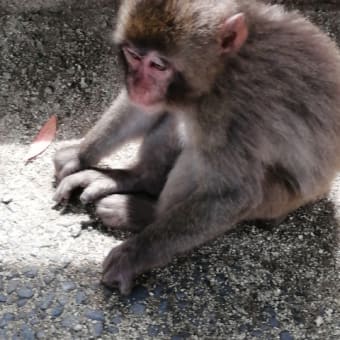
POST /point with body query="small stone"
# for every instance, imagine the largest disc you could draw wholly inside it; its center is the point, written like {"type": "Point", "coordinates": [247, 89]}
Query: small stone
{"type": "Point", "coordinates": [6, 318]}
{"type": "Point", "coordinates": [95, 315]}
{"type": "Point", "coordinates": [83, 83]}
{"type": "Point", "coordinates": [81, 297]}
{"type": "Point", "coordinates": [116, 320]}
{"type": "Point", "coordinates": [57, 311]}
{"type": "Point", "coordinates": [12, 286]}
{"type": "Point", "coordinates": [68, 286]}
{"type": "Point", "coordinates": [319, 321]}
{"type": "Point", "coordinates": [27, 333]}
{"type": "Point", "coordinates": [75, 230]}
{"type": "Point", "coordinates": [113, 330]}
{"type": "Point", "coordinates": [40, 335]}
{"type": "Point", "coordinates": [69, 322]}
{"type": "Point", "coordinates": [30, 272]}
{"type": "Point", "coordinates": [25, 293]}
{"type": "Point", "coordinates": [62, 299]}
{"type": "Point", "coordinates": [21, 302]}
{"type": "Point", "coordinates": [3, 298]}
{"type": "Point", "coordinates": [273, 322]}
{"type": "Point", "coordinates": [6, 75]}
{"type": "Point", "coordinates": [97, 329]}
{"type": "Point", "coordinates": [285, 335]}
{"type": "Point", "coordinates": [11, 299]}
{"type": "Point", "coordinates": [153, 330]}
{"type": "Point", "coordinates": [137, 308]}
{"type": "Point", "coordinates": [163, 307]}
{"type": "Point", "coordinates": [49, 278]}
{"type": "Point", "coordinates": [49, 90]}
{"type": "Point", "coordinates": [78, 327]}
{"type": "Point", "coordinates": [46, 301]}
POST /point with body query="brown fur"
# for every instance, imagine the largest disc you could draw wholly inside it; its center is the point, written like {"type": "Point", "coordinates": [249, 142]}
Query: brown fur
{"type": "Point", "coordinates": [249, 134]}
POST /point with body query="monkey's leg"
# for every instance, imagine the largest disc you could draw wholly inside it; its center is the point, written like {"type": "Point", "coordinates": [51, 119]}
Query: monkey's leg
{"type": "Point", "coordinates": [182, 228]}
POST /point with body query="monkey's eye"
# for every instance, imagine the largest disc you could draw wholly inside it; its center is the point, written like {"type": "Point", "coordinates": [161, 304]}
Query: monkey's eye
{"type": "Point", "coordinates": [158, 64]}
{"type": "Point", "coordinates": [130, 53]}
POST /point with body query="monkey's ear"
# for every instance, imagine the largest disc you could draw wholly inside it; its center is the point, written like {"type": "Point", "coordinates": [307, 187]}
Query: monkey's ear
{"type": "Point", "coordinates": [233, 33]}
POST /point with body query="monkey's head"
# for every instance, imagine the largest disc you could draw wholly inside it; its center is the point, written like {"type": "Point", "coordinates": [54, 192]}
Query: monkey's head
{"type": "Point", "coordinates": [173, 50]}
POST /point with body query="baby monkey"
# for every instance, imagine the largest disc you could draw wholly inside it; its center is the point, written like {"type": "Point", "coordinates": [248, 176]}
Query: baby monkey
{"type": "Point", "coordinates": [238, 103]}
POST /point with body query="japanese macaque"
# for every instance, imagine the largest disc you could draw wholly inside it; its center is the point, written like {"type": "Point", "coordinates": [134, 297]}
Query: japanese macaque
{"type": "Point", "coordinates": [238, 103]}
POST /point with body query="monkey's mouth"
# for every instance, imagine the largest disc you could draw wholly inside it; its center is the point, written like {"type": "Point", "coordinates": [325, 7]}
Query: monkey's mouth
{"type": "Point", "coordinates": [145, 98]}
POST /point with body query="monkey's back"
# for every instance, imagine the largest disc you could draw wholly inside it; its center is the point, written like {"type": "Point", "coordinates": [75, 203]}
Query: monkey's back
{"type": "Point", "coordinates": [284, 98]}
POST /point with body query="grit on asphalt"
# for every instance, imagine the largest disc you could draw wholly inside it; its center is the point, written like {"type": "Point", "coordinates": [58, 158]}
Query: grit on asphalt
{"type": "Point", "coordinates": [266, 283]}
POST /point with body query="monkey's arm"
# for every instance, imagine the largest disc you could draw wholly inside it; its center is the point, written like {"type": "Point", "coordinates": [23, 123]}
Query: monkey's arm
{"type": "Point", "coordinates": [121, 122]}
{"type": "Point", "coordinates": [197, 220]}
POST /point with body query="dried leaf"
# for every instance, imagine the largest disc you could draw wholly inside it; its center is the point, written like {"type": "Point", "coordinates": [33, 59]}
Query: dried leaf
{"type": "Point", "coordinates": [43, 139]}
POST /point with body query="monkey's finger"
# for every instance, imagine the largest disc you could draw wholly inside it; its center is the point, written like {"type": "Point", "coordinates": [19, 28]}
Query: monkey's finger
{"type": "Point", "coordinates": [98, 189]}
{"type": "Point", "coordinates": [67, 185]}
{"type": "Point", "coordinates": [70, 168]}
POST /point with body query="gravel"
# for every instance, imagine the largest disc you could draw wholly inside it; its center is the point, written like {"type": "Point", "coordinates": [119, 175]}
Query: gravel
{"type": "Point", "coordinates": [268, 283]}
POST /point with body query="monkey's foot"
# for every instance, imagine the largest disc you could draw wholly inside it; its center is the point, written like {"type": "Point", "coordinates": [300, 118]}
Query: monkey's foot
{"type": "Point", "coordinates": [95, 184]}
{"type": "Point", "coordinates": [119, 267]}
{"type": "Point", "coordinates": [129, 212]}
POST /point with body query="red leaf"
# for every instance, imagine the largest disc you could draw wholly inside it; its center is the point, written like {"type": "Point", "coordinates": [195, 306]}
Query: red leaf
{"type": "Point", "coordinates": [43, 139]}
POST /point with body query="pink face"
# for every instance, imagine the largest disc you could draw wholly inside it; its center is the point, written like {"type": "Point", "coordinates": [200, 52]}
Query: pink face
{"type": "Point", "coordinates": [148, 78]}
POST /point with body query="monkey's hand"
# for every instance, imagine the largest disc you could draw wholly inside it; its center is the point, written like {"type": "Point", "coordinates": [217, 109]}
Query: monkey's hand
{"type": "Point", "coordinates": [95, 183]}
{"type": "Point", "coordinates": [66, 161]}
{"type": "Point", "coordinates": [120, 268]}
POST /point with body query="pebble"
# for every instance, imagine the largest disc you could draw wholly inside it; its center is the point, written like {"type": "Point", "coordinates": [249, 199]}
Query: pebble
{"type": "Point", "coordinates": [83, 83]}
{"type": "Point", "coordinates": [137, 308]}
{"type": "Point", "coordinates": [21, 302]}
{"type": "Point", "coordinates": [27, 333]}
{"type": "Point", "coordinates": [62, 299]}
{"type": "Point", "coordinates": [319, 321]}
{"type": "Point", "coordinates": [94, 315]}
{"type": "Point", "coordinates": [285, 335]}
{"type": "Point", "coordinates": [116, 320]}
{"type": "Point", "coordinates": [25, 292]}
{"type": "Point", "coordinates": [113, 330]}
{"type": "Point", "coordinates": [57, 311]}
{"type": "Point", "coordinates": [3, 298]}
{"type": "Point", "coordinates": [70, 322]}
{"type": "Point", "coordinates": [49, 278]}
{"type": "Point", "coordinates": [6, 318]}
{"type": "Point", "coordinates": [97, 329]}
{"type": "Point", "coordinates": [75, 230]}
{"type": "Point", "coordinates": [153, 330]}
{"type": "Point", "coordinates": [78, 327]}
{"type": "Point", "coordinates": [163, 306]}
{"type": "Point", "coordinates": [81, 297]}
{"type": "Point", "coordinates": [12, 286]}
{"type": "Point", "coordinates": [68, 286]}
{"type": "Point", "coordinates": [30, 272]}
{"type": "Point", "coordinates": [41, 335]}
{"type": "Point", "coordinates": [46, 301]}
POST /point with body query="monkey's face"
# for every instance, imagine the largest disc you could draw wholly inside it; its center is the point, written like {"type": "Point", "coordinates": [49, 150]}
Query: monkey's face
{"type": "Point", "coordinates": [148, 76]}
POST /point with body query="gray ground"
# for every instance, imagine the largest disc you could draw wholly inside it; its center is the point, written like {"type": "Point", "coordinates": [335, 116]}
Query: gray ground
{"type": "Point", "coordinates": [267, 283]}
